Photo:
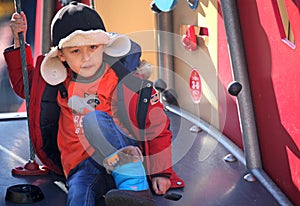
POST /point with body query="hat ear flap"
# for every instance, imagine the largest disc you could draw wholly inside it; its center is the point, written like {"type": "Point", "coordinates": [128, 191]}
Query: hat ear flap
{"type": "Point", "coordinates": [52, 69]}
{"type": "Point", "coordinates": [119, 45]}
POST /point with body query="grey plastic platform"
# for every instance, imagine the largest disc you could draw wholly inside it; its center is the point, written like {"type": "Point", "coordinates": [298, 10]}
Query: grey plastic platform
{"type": "Point", "coordinates": [198, 159]}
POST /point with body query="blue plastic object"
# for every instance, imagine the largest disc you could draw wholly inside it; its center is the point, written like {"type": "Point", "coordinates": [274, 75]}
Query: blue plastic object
{"type": "Point", "coordinates": [165, 5]}
{"type": "Point", "coordinates": [193, 4]}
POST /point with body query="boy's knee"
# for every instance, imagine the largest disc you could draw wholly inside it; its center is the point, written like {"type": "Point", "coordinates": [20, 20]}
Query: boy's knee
{"type": "Point", "coordinates": [92, 118]}
{"type": "Point", "coordinates": [96, 115]}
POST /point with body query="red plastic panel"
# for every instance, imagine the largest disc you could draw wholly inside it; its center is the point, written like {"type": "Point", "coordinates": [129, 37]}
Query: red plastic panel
{"type": "Point", "coordinates": [274, 75]}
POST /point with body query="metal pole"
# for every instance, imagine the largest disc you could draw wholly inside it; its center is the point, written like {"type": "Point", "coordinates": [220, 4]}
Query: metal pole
{"type": "Point", "coordinates": [164, 21]}
{"type": "Point", "coordinates": [92, 3]}
{"type": "Point", "coordinates": [25, 77]}
{"type": "Point", "coordinates": [31, 167]}
{"type": "Point", "coordinates": [240, 73]}
{"type": "Point", "coordinates": [48, 10]}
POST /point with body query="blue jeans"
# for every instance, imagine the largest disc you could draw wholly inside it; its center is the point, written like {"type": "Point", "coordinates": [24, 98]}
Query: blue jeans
{"type": "Point", "coordinates": [89, 181]}
{"type": "Point", "coordinates": [104, 135]}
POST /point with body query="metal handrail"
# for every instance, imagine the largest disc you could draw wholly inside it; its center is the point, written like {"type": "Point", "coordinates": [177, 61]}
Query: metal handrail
{"type": "Point", "coordinates": [259, 173]}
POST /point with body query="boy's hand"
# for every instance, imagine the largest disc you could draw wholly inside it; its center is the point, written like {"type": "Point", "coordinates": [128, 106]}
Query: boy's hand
{"type": "Point", "coordinates": [18, 23]}
{"type": "Point", "coordinates": [161, 185]}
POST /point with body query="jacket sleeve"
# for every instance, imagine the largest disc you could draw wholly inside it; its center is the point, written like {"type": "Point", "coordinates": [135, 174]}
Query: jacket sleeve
{"type": "Point", "coordinates": [159, 143]}
{"type": "Point", "coordinates": [14, 66]}
{"type": "Point", "coordinates": [159, 138]}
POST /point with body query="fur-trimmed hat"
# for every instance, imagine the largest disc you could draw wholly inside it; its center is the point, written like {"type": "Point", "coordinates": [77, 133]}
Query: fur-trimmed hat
{"type": "Point", "coordinates": [77, 25]}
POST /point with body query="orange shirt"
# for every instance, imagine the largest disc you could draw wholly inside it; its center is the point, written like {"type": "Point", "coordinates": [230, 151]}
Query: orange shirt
{"type": "Point", "coordinates": [83, 96]}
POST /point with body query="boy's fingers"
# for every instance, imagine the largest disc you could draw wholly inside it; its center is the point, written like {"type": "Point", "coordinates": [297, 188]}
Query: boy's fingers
{"type": "Point", "coordinates": [24, 17]}
{"type": "Point", "coordinates": [155, 187]}
{"type": "Point", "coordinates": [19, 18]}
{"type": "Point", "coordinates": [161, 185]}
{"type": "Point", "coordinates": [18, 22]}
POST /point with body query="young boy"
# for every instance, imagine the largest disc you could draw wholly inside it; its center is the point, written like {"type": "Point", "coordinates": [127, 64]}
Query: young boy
{"type": "Point", "coordinates": [108, 119]}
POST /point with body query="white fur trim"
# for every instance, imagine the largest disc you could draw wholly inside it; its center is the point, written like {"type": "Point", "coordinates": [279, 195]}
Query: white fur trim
{"type": "Point", "coordinates": [145, 69]}
{"type": "Point", "coordinates": [52, 69]}
{"type": "Point", "coordinates": [82, 38]}
{"type": "Point", "coordinates": [119, 45]}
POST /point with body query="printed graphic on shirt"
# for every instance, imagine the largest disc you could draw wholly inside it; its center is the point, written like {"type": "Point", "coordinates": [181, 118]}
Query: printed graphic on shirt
{"type": "Point", "coordinates": [154, 99]}
{"type": "Point", "coordinates": [78, 119]}
{"type": "Point", "coordinates": [83, 105]}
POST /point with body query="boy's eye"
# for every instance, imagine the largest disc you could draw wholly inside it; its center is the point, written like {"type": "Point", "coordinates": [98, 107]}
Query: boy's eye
{"type": "Point", "coordinates": [94, 46]}
{"type": "Point", "coordinates": [75, 51]}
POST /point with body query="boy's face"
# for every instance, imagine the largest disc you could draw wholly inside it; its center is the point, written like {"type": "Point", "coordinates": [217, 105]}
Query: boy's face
{"type": "Point", "coordinates": [83, 60]}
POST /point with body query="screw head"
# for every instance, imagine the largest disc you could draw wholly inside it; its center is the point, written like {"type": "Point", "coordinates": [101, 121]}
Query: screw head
{"type": "Point", "coordinates": [234, 88]}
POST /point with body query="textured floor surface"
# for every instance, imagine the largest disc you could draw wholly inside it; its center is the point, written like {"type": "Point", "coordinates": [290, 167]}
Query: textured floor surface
{"type": "Point", "coordinates": [197, 157]}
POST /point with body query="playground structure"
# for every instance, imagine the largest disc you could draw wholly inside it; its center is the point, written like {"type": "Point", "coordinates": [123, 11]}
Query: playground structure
{"type": "Point", "coordinates": [240, 76]}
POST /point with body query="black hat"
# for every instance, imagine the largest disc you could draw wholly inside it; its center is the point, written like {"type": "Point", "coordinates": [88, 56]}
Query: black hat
{"type": "Point", "coordinates": [78, 25]}
{"type": "Point", "coordinates": [74, 16]}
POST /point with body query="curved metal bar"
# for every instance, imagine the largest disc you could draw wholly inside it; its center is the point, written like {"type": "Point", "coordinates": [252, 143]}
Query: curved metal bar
{"type": "Point", "coordinates": [267, 182]}
{"type": "Point", "coordinates": [259, 173]}
{"type": "Point", "coordinates": [211, 130]}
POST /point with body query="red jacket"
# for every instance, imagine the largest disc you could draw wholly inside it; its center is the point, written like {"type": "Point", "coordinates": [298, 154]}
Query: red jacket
{"type": "Point", "coordinates": [142, 114]}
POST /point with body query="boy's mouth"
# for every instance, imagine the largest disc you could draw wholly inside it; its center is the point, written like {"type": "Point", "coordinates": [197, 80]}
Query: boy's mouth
{"type": "Point", "coordinates": [87, 67]}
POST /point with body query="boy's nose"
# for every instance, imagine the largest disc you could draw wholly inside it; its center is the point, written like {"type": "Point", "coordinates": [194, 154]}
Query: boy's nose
{"type": "Point", "coordinates": [86, 55]}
